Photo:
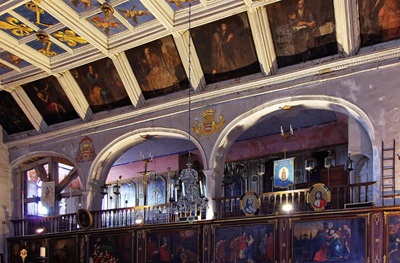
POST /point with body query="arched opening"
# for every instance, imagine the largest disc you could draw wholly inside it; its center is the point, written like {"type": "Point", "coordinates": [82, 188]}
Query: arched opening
{"type": "Point", "coordinates": [49, 184]}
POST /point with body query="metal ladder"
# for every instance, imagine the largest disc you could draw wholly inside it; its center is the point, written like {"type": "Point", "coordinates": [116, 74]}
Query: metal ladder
{"type": "Point", "coordinates": [388, 182]}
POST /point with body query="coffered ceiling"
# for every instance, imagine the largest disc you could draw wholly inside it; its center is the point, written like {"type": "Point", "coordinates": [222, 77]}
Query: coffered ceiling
{"type": "Point", "coordinates": [65, 63]}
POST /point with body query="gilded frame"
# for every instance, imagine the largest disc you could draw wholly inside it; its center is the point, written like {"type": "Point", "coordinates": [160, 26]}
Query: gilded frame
{"type": "Point", "coordinates": [392, 236]}
{"type": "Point", "coordinates": [250, 203]}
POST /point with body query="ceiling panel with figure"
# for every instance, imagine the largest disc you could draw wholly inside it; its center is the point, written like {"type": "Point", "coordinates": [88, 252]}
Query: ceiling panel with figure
{"type": "Point", "coordinates": [134, 12]}
{"type": "Point", "coordinates": [101, 85]}
{"type": "Point", "coordinates": [226, 49]}
{"type": "Point", "coordinates": [50, 100]}
{"type": "Point", "coordinates": [302, 30]}
{"type": "Point", "coordinates": [181, 4]}
{"type": "Point", "coordinates": [158, 68]}
{"type": "Point", "coordinates": [12, 118]}
{"type": "Point", "coordinates": [379, 21]}
{"type": "Point", "coordinates": [9, 62]}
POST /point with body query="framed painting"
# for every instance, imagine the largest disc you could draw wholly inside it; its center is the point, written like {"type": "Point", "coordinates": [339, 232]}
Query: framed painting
{"type": "Point", "coordinates": [63, 250]}
{"type": "Point", "coordinates": [173, 245]}
{"type": "Point", "coordinates": [250, 203]}
{"type": "Point", "coordinates": [12, 118]}
{"type": "Point", "coordinates": [318, 197]}
{"type": "Point", "coordinates": [50, 100]}
{"type": "Point", "coordinates": [392, 233]}
{"type": "Point", "coordinates": [379, 21]}
{"type": "Point", "coordinates": [84, 218]}
{"type": "Point", "coordinates": [302, 30]}
{"type": "Point", "coordinates": [333, 240]}
{"type": "Point", "coordinates": [101, 85]}
{"type": "Point", "coordinates": [226, 49]}
{"type": "Point", "coordinates": [158, 68]}
{"type": "Point", "coordinates": [246, 243]}
{"type": "Point", "coordinates": [111, 248]}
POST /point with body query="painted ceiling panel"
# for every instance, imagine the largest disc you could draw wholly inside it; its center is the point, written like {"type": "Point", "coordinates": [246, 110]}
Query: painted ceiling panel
{"type": "Point", "coordinates": [226, 49]}
{"type": "Point", "coordinates": [12, 118]}
{"type": "Point", "coordinates": [146, 38]}
{"type": "Point", "coordinates": [11, 61]}
{"type": "Point", "coordinates": [36, 15]}
{"type": "Point", "coordinates": [182, 4]}
{"type": "Point", "coordinates": [135, 12]}
{"type": "Point", "coordinates": [70, 38]}
{"type": "Point", "coordinates": [50, 100]}
{"type": "Point", "coordinates": [82, 6]}
{"type": "Point", "coordinates": [158, 68]}
{"type": "Point", "coordinates": [13, 27]}
{"type": "Point", "coordinates": [107, 25]}
{"type": "Point", "coordinates": [101, 85]}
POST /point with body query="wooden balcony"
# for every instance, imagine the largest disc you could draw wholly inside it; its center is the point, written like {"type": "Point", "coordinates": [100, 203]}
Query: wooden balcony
{"type": "Point", "coordinates": [343, 197]}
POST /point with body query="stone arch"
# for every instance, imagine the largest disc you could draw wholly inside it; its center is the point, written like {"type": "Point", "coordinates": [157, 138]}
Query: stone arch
{"type": "Point", "coordinates": [107, 156]}
{"type": "Point", "coordinates": [36, 154]}
{"type": "Point", "coordinates": [241, 123]}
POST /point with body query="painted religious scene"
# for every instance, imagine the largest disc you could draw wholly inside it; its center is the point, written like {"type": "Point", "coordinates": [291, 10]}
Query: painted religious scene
{"type": "Point", "coordinates": [50, 100]}
{"type": "Point", "coordinates": [330, 241]}
{"type": "Point", "coordinates": [63, 250]}
{"type": "Point", "coordinates": [173, 246]}
{"type": "Point", "coordinates": [302, 30]}
{"type": "Point", "coordinates": [226, 49]}
{"type": "Point", "coordinates": [158, 68]}
{"type": "Point", "coordinates": [101, 85]}
{"type": "Point", "coordinates": [12, 118]}
{"type": "Point", "coordinates": [245, 244]}
{"type": "Point", "coordinates": [111, 248]}
{"type": "Point", "coordinates": [393, 237]}
{"type": "Point", "coordinates": [379, 21]}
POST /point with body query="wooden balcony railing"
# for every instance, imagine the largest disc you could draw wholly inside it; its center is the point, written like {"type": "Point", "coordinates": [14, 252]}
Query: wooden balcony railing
{"type": "Point", "coordinates": [226, 207]}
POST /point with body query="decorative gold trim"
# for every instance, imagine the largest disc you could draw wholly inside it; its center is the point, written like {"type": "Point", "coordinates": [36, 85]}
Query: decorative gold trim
{"type": "Point", "coordinates": [377, 218]}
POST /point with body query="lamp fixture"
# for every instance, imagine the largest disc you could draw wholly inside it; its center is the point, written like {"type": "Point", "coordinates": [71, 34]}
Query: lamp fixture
{"type": "Point", "coordinates": [329, 160]}
{"type": "Point", "coordinates": [116, 188]}
{"type": "Point", "coordinates": [104, 188]}
{"type": "Point", "coordinates": [289, 133]}
{"type": "Point", "coordinates": [349, 164]}
{"type": "Point", "coordinates": [192, 200]}
{"type": "Point", "coordinates": [287, 208]}
{"type": "Point", "coordinates": [261, 168]}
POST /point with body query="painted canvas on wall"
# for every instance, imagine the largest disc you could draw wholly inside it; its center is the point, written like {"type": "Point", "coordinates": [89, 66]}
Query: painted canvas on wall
{"type": "Point", "coordinates": [302, 30]}
{"type": "Point", "coordinates": [63, 250]}
{"type": "Point", "coordinates": [250, 243]}
{"type": "Point", "coordinates": [12, 118]}
{"type": "Point", "coordinates": [158, 68]}
{"type": "Point", "coordinates": [50, 100]}
{"type": "Point", "coordinates": [379, 21]}
{"type": "Point", "coordinates": [101, 85]}
{"type": "Point", "coordinates": [226, 49]}
{"type": "Point", "coordinates": [173, 245]}
{"type": "Point", "coordinates": [392, 222]}
{"type": "Point", "coordinates": [111, 248]}
{"type": "Point", "coordinates": [333, 240]}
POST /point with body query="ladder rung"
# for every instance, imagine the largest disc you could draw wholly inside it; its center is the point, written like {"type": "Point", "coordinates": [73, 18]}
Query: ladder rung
{"type": "Point", "coordinates": [388, 158]}
{"type": "Point", "coordinates": [387, 176]}
{"type": "Point", "coordinates": [388, 149]}
{"type": "Point", "coordinates": [387, 167]}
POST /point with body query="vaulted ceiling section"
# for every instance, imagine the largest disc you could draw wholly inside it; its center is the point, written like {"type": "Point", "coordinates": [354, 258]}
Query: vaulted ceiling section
{"type": "Point", "coordinates": [64, 63]}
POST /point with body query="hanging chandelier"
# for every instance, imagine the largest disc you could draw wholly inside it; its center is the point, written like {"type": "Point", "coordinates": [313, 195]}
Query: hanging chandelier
{"type": "Point", "coordinates": [191, 201]}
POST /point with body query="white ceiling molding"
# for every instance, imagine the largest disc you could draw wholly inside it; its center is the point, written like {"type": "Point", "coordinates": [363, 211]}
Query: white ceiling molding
{"type": "Point", "coordinates": [129, 80]}
{"type": "Point", "coordinates": [347, 27]}
{"type": "Point", "coordinates": [263, 41]}
{"type": "Point", "coordinates": [75, 95]}
{"type": "Point", "coordinates": [196, 73]}
{"type": "Point", "coordinates": [29, 109]}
